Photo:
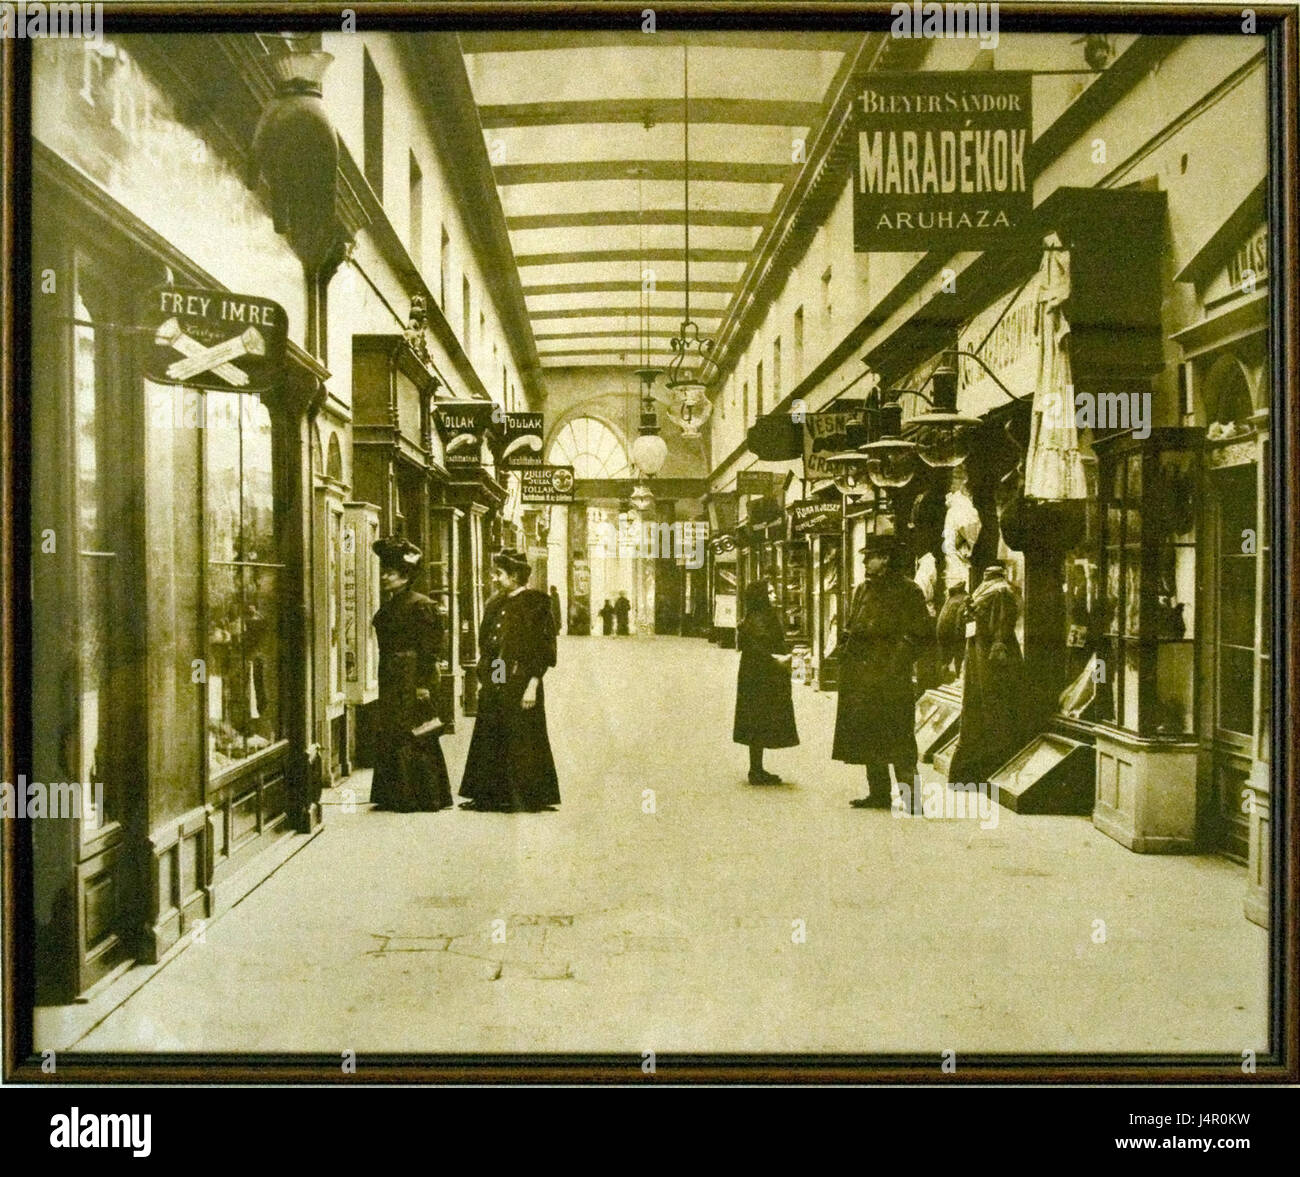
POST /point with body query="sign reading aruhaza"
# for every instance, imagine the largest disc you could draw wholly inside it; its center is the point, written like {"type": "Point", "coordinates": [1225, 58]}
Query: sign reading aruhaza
{"type": "Point", "coordinates": [941, 161]}
{"type": "Point", "coordinates": [215, 339]}
{"type": "Point", "coordinates": [462, 427]}
{"type": "Point", "coordinates": [547, 484]}
{"type": "Point", "coordinates": [521, 442]}
{"type": "Point", "coordinates": [812, 517]}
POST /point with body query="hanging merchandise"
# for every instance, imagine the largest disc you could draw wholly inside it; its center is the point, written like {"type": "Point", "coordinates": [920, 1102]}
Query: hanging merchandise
{"type": "Point", "coordinates": [961, 528]}
{"type": "Point", "coordinates": [1053, 465]}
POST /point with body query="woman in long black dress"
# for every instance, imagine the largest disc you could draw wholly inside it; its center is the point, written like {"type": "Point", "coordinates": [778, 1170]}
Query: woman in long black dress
{"type": "Point", "coordinates": [509, 767]}
{"type": "Point", "coordinates": [410, 772]}
{"type": "Point", "coordinates": [764, 702]}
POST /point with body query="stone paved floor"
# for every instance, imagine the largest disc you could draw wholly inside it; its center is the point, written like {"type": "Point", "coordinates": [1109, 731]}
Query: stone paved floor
{"type": "Point", "coordinates": [675, 931]}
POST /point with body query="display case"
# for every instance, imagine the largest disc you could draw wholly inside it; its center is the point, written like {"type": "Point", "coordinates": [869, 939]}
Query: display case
{"type": "Point", "coordinates": [1148, 579]}
{"type": "Point", "coordinates": [794, 590]}
{"type": "Point", "coordinates": [1145, 705]}
{"type": "Point", "coordinates": [361, 600]}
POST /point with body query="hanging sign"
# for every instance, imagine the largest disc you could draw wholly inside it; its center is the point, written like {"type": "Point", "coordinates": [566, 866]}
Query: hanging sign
{"type": "Point", "coordinates": [831, 432]}
{"type": "Point", "coordinates": [215, 339]}
{"type": "Point", "coordinates": [941, 161]}
{"type": "Point", "coordinates": [521, 444]}
{"type": "Point", "coordinates": [547, 484]}
{"type": "Point", "coordinates": [813, 517]}
{"type": "Point", "coordinates": [462, 428]}
{"type": "Point", "coordinates": [769, 483]}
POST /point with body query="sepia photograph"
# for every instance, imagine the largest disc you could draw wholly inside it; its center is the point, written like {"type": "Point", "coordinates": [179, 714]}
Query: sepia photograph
{"type": "Point", "coordinates": [723, 542]}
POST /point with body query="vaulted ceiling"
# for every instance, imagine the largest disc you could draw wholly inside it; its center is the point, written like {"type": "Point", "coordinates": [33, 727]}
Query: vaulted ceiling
{"type": "Point", "coordinates": [585, 132]}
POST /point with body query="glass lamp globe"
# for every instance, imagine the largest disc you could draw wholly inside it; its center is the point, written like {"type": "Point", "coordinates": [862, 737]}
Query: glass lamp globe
{"type": "Point", "coordinates": [942, 439]}
{"type": "Point", "coordinates": [849, 472]}
{"type": "Point", "coordinates": [649, 452]}
{"type": "Point", "coordinates": [890, 463]}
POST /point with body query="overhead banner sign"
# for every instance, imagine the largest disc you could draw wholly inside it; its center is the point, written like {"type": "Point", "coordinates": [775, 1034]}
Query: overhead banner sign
{"type": "Point", "coordinates": [941, 161]}
{"type": "Point", "coordinates": [521, 443]}
{"type": "Point", "coordinates": [462, 428]}
{"type": "Point", "coordinates": [813, 517]}
{"type": "Point", "coordinates": [215, 339]}
{"type": "Point", "coordinates": [547, 484]}
{"type": "Point", "coordinates": [831, 432]}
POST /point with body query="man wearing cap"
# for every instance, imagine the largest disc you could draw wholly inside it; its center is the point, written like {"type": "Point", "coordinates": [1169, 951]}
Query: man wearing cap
{"type": "Point", "coordinates": [509, 767]}
{"type": "Point", "coordinates": [410, 772]}
{"type": "Point", "coordinates": [886, 629]}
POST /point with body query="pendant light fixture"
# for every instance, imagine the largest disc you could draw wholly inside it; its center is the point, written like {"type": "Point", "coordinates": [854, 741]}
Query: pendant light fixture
{"type": "Point", "coordinates": [692, 367]}
{"type": "Point", "coordinates": [649, 451]}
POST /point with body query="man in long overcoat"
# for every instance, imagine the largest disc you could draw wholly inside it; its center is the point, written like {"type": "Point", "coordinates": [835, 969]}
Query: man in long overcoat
{"type": "Point", "coordinates": [509, 766]}
{"type": "Point", "coordinates": [886, 630]}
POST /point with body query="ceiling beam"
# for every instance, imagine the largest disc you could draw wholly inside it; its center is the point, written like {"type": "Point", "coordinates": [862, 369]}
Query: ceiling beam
{"type": "Point", "coordinates": [705, 217]}
{"type": "Point", "coordinates": [535, 40]}
{"type": "Point", "coordinates": [606, 351]}
{"type": "Point", "coordinates": [631, 285]}
{"type": "Point", "coordinates": [650, 112]}
{"type": "Point", "coordinates": [571, 171]}
{"type": "Point", "coordinates": [604, 334]}
{"type": "Point", "coordinates": [613, 312]}
{"type": "Point", "coordinates": [630, 255]}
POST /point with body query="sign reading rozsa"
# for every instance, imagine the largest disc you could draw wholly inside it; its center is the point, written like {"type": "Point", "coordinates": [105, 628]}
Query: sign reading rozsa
{"type": "Point", "coordinates": [215, 339]}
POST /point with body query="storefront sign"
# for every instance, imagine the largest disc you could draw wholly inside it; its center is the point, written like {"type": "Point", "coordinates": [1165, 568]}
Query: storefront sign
{"type": "Point", "coordinates": [521, 445]}
{"type": "Point", "coordinates": [1008, 337]}
{"type": "Point", "coordinates": [547, 484]}
{"type": "Point", "coordinates": [941, 161]}
{"type": "Point", "coordinates": [829, 433]}
{"type": "Point", "coordinates": [812, 517]}
{"type": "Point", "coordinates": [215, 339]}
{"type": "Point", "coordinates": [462, 428]}
{"type": "Point", "coordinates": [768, 483]}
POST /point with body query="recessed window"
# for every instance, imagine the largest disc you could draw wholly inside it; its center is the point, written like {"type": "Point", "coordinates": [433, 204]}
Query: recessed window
{"type": "Point", "coordinates": [444, 261]}
{"type": "Point", "coordinates": [415, 191]}
{"type": "Point", "coordinates": [372, 124]}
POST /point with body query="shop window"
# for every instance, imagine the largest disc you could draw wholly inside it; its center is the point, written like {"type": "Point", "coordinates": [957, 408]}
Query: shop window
{"type": "Point", "coordinates": [244, 580]}
{"type": "Point", "coordinates": [1228, 404]}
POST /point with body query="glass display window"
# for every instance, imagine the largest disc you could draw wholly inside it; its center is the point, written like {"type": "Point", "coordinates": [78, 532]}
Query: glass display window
{"type": "Point", "coordinates": [1147, 612]}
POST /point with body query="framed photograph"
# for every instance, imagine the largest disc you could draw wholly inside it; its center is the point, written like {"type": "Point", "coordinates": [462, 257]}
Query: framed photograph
{"type": "Point", "coordinates": [280, 284]}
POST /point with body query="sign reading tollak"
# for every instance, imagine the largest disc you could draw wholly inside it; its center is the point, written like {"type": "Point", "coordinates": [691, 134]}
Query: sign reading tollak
{"type": "Point", "coordinates": [521, 445]}
{"type": "Point", "coordinates": [547, 484]}
{"type": "Point", "coordinates": [215, 339]}
{"type": "Point", "coordinates": [462, 427]}
{"type": "Point", "coordinates": [941, 161]}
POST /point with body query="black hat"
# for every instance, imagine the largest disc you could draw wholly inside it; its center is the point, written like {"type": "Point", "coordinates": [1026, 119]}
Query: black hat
{"type": "Point", "coordinates": [514, 562]}
{"type": "Point", "coordinates": [397, 553]}
{"type": "Point", "coordinates": [880, 545]}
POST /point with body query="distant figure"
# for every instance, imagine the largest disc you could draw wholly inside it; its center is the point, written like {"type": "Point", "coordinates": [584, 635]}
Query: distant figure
{"type": "Point", "coordinates": [607, 618]}
{"type": "Point", "coordinates": [622, 607]}
{"type": "Point", "coordinates": [556, 612]}
{"type": "Point", "coordinates": [764, 702]}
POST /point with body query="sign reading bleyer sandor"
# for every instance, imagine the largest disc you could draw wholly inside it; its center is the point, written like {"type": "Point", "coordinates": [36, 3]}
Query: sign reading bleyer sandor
{"type": "Point", "coordinates": [942, 161]}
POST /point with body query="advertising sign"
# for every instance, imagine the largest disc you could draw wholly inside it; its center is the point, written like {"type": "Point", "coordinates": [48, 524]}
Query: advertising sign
{"type": "Point", "coordinates": [521, 443]}
{"type": "Point", "coordinates": [828, 433]}
{"type": "Point", "coordinates": [462, 428]}
{"type": "Point", "coordinates": [547, 484]}
{"type": "Point", "coordinates": [941, 161]}
{"type": "Point", "coordinates": [813, 517]}
{"type": "Point", "coordinates": [215, 339]}
{"type": "Point", "coordinates": [770, 483]}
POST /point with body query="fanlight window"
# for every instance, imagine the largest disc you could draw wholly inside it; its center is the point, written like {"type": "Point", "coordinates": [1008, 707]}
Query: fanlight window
{"type": "Point", "coordinates": [591, 448]}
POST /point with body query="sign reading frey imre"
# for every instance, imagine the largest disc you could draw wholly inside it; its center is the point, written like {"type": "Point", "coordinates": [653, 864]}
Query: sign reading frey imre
{"type": "Point", "coordinates": [941, 161]}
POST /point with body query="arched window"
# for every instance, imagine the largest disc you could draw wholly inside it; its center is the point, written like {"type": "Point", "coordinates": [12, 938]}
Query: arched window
{"type": "Point", "coordinates": [1227, 392]}
{"type": "Point", "coordinates": [591, 447]}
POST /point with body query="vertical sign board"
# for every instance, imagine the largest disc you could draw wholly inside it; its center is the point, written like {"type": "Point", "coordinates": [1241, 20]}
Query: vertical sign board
{"type": "Point", "coordinates": [942, 161]}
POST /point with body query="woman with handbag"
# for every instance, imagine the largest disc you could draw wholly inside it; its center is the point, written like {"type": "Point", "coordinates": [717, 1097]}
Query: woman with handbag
{"type": "Point", "coordinates": [764, 699]}
{"type": "Point", "coordinates": [410, 771]}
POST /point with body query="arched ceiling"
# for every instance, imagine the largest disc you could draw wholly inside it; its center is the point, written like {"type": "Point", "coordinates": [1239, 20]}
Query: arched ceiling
{"type": "Point", "coordinates": [585, 135]}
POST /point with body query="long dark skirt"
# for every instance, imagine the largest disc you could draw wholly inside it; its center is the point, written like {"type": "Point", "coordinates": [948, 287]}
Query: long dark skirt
{"type": "Point", "coordinates": [410, 775]}
{"type": "Point", "coordinates": [764, 704]}
{"type": "Point", "coordinates": [510, 765]}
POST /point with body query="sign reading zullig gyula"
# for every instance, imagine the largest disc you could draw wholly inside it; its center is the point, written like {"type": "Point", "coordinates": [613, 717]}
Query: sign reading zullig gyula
{"type": "Point", "coordinates": [941, 161]}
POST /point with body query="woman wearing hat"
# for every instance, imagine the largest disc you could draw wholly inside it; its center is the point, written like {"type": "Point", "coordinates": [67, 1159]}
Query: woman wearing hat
{"type": "Point", "coordinates": [764, 701]}
{"type": "Point", "coordinates": [410, 772]}
{"type": "Point", "coordinates": [886, 629]}
{"type": "Point", "coordinates": [509, 766]}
